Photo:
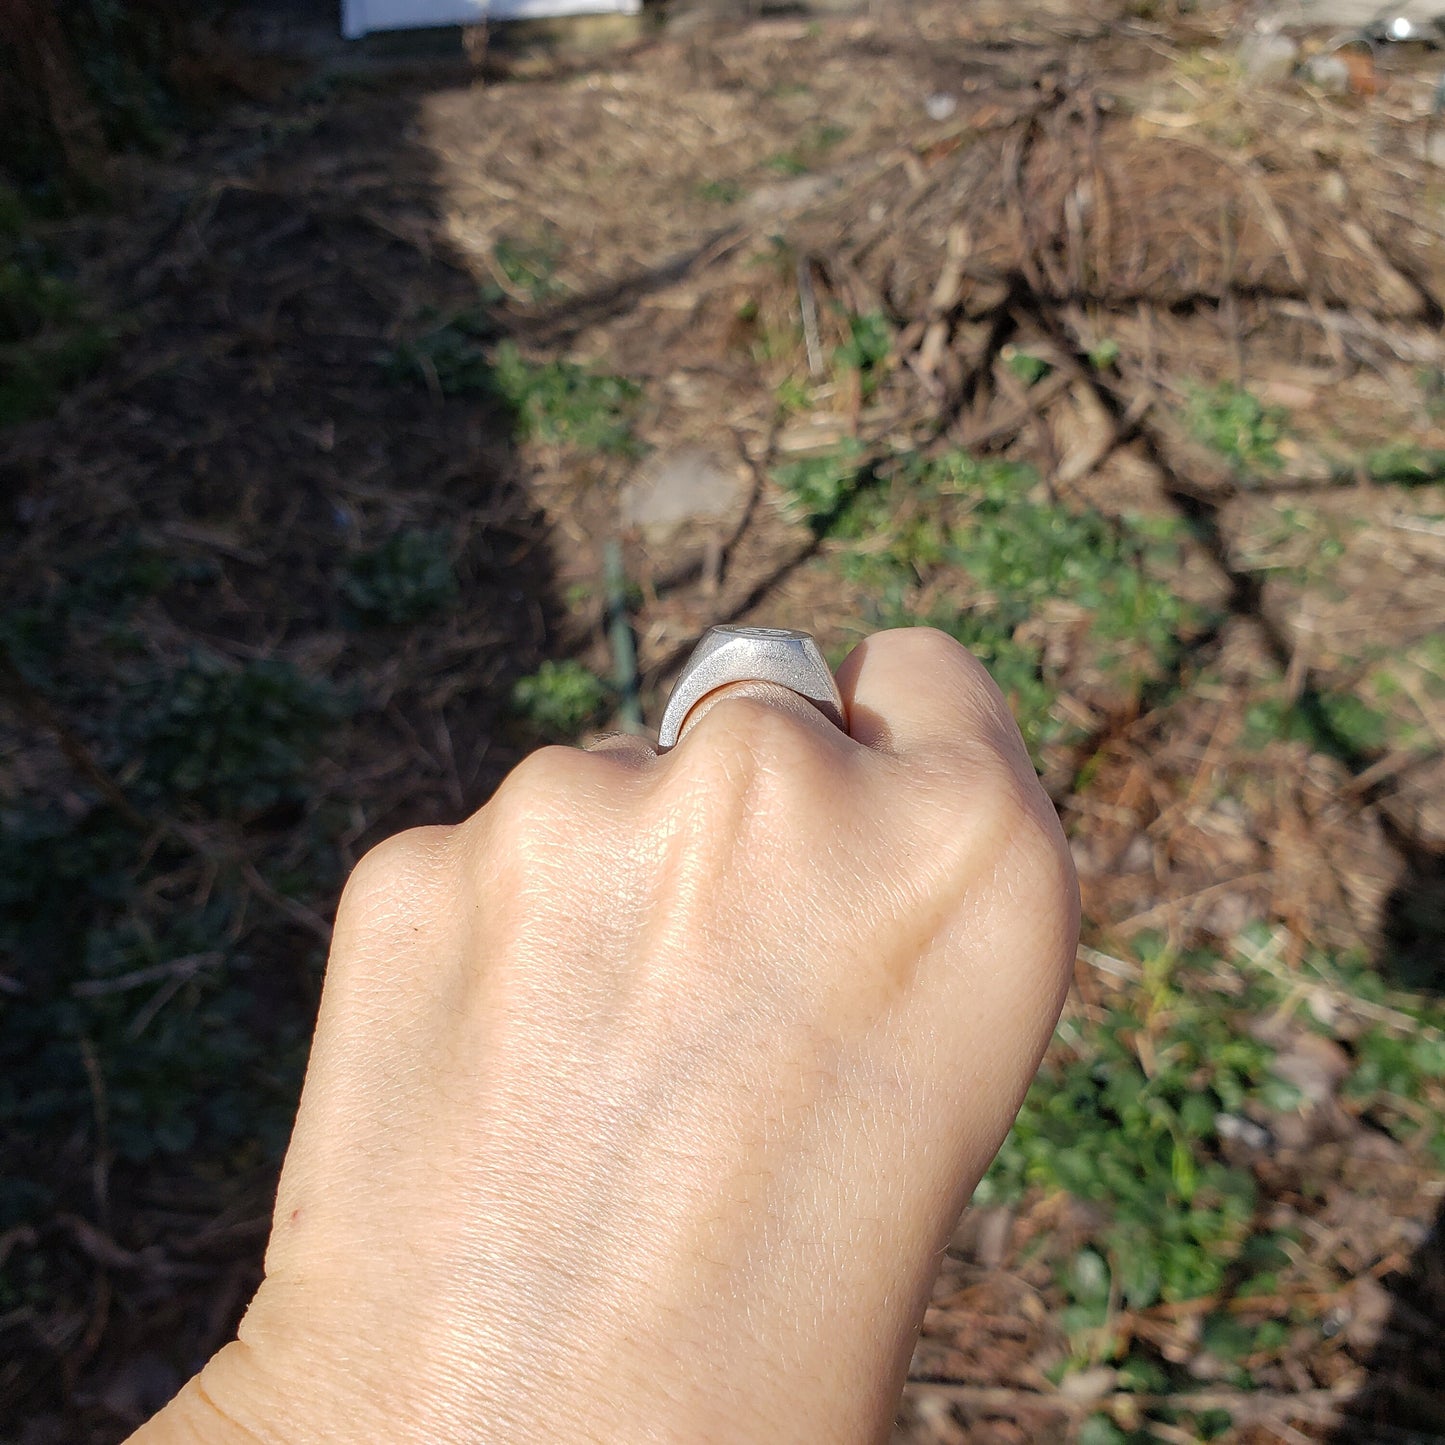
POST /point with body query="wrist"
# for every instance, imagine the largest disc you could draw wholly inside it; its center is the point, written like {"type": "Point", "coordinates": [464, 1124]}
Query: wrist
{"type": "Point", "coordinates": [228, 1403]}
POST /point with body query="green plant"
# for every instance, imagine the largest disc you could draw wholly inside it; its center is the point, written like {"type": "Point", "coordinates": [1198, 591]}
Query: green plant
{"type": "Point", "coordinates": [1101, 1430]}
{"type": "Point", "coordinates": [1130, 1115]}
{"type": "Point", "coordinates": [131, 1020]}
{"type": "Point", "coordinates": [1405, 464]}
{"type": "Point", "coordinates": [234, 739]}
{"type": "Point", "coordinates": [1025, 553]}
{"type": "Point", "coordinates": [450, 355]}
{"type": "Point", "coordinates": [818, 486]}
{"type": "Point", "coordinates": [793, 395]}
{"type": "Point", "coordinates": [1141, 1143]}
{"type": "Point", "coordinates": [1397, 1080]}
{"type": "Point", "coordinates": [408, 578]}
{"type": "Point", "coordinates": [719, 192]}
{"type": "Point", "coordinates": [1339, 724]}
{"type": "Point", "coordinates": [561, 698]}
{"type": "Point", "coordinates": [1104, 355]}
{"type": "Point", "coordinates": [102, 78]}
{"type": "Point", "coordinates": [530, 266]}
{"type": "Point", "coordinates": [1029, 368]}
{"type": "Point", "coordinates": [991, 557]}
{"type": "Point", "coordinates": [1236, 424]}
{"type": "Point", "coordinates": [866, 351]}
{"type": "Point", "coordinates": [1015, 666]}
{"type": "Point", "coordinates": [557, 402]}
{"type": "Point", "coordinates": [810, 150]}
{"type": "Point", "coordinates": [562, 403]}
{"type": "Point", "coordinates": [48, 343]}
{"type": "Point", "coordinates": [788, 163]}
{"type": "Point", "coordinates": [827, 135]}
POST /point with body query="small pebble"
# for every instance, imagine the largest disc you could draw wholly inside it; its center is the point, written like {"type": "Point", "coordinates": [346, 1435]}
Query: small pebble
{"type": "Point", "coordinates": [1334, 189]}
{"type": "Point", "coordinates": [1244, 1131]}
{"type": "Point", "coordinates": [1328, 73]}
{"type": "Point", "coordinates": [1268, 59]}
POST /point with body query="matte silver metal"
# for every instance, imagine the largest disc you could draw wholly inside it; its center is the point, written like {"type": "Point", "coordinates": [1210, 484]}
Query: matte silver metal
{"type": "Point", "coordinates": [751, 654]}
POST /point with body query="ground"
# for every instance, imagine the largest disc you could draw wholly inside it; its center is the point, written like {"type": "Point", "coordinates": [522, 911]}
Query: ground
{"type": "Point", "coordinates": [1052, 328]}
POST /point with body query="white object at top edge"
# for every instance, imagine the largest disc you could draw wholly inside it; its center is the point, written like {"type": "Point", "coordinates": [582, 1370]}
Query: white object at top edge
{"type": "Point", "coordinates": [359, 17]}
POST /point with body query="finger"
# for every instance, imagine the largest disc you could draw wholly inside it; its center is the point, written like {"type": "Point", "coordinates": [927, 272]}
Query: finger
{"type": "Point", "coordinates": [772, 693]}
{"type": "Point", "coordinates": [915, 691]}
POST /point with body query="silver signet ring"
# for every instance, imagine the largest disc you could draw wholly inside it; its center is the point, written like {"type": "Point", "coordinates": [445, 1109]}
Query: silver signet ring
{"type": "Point", "coordinates": [752, 654]}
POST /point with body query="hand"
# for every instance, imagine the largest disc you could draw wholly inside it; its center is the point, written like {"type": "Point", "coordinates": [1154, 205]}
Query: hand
{"type": "Point", "coordinates": [642, 1103]}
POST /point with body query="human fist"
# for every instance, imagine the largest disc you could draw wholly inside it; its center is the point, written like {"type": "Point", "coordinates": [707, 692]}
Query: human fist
{"type": "Point", "coordinates": [642, 1103]}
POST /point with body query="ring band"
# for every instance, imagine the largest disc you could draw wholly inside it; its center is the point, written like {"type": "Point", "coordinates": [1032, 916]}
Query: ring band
{"type": "Point", "coordinates": [752, 654]}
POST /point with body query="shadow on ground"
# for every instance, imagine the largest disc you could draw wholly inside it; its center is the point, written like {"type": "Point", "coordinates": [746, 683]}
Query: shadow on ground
{"type": "Point", "coordinates": [268, 591]}
{"type": "Point", "coordinates": [1402, 1398]}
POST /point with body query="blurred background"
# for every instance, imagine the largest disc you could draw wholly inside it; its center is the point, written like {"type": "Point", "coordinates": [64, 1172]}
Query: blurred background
{"type": "Point", "coordinates": [373, 411]}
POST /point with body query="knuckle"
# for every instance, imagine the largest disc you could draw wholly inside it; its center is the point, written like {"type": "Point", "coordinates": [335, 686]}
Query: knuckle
{"type": "Point", "coordinates": [396, 868]}
{"type": "Point", "coordinates": [546, 812]}
{"type": "Point", "coordinates": [971, 824]}
{"type": "Point", "coordinates": [976, 697]}
{"type": "Point", "coordinates": [1041, 889]}
{"type": "Point", "coordinates": [1038, 867]}
{"type": "Point", "coordinates": [748, 782]}
{"type": "Point", "coordinates": [1042, 849]}
{"type": "Point", "coordinates": [545, 784]}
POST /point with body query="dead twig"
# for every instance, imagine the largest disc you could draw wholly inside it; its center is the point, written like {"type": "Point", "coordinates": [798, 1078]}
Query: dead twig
{"type": "Point", "coordinates": [1251, 1407]}
{"type": "Point", "coordinates": [1423, 347]}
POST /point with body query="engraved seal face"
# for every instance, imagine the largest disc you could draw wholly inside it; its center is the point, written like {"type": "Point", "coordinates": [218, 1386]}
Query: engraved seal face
{"type": "Point", "coordinates": [752, 654]}
{"type": "Point", "coordinates": [761, 632]}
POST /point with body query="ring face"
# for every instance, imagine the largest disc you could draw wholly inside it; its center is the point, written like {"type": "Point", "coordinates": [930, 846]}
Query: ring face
{"type": "Point", "coordinates": [752, 654]}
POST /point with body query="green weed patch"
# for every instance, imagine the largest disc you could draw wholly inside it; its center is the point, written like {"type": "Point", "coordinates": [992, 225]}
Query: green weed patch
{"type": "Point", "coordinates": [967, 545]}
{"type": "Point", "coordinates": [562, 403]}
{"type": "Point", "coordinates": [1142, 1141]}
{"type": "Point", "coordinates": [48, 342]}
{"type": "Point", "coordinates": [408, 578]}
{"type": "Point", "coordinates": [555, 402]}
{"type": "Point", "coordinates": [133, 1024]}
{"type": "Point", "coordinates": [1237, 425]}
{"type": "Point", "coordinates": [530, 265]}
{"type": "Point", "coordinates": [1406, 464]}
{"type": "Point", "coordinates": [450, 355]}
{"type": "Point", "coordinates": [1338, 724]}
{"type": "Point", "coordinates": [1136, 1115]}
{"type": "Point", "coordinates": [869, 341]}
{"type": "Point", "coordinates": [560, 699]}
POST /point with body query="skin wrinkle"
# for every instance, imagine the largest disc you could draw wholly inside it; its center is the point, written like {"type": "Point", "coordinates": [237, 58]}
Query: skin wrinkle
{"type": "Point", "coordinates": [238, 1428]}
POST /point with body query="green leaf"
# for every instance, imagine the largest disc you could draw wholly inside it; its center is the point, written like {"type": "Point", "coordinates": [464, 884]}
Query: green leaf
{"type": "Point", "coordinates": [408, 578]}
{"type": "Point", "coordinates": [1101, 1430]}
{"type": "Point", "coordinates": [1238, 426]}
{"type": "Point", "coordinates": [819, 486]}
{"type": "Point", "coordinates": [561, 698]}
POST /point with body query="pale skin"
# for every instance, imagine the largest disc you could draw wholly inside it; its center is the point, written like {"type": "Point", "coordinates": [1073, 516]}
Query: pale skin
{"type": "Point", "coordinates": [642, 1104]}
